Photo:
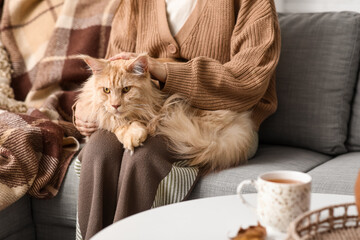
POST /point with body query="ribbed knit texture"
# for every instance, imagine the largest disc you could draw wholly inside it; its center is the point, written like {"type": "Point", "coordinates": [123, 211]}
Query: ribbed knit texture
{"type": "Point", "coordinates": [231, 48]}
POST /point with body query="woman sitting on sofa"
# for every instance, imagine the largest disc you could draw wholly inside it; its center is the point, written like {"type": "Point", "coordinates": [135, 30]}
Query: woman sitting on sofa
{"type": "Point", "coordinates": [229, 50]}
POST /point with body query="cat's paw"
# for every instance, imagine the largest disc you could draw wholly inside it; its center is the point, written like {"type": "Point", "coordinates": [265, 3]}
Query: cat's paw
{"type": "Point", "coordinates": [135, 135]}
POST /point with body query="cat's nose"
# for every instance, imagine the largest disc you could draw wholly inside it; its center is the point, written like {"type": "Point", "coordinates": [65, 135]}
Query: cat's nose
{"type": "Point", "coordinates": [115, 106]}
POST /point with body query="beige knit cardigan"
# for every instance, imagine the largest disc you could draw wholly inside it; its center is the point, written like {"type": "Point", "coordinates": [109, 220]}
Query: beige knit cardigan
{"type": "Point", "coordinates": [231, 50]}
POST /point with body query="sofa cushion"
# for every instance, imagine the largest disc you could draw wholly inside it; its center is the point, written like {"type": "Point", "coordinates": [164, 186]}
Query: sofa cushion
{"type": "Point", "coordinates": [16, 221]}
{"type": "Point", "coordinates": [353, 143]}
{"type": "Point", "coordinates": [56, 218]}
{"type": "Point", "coordinates": [316, 78]}
{"type": "Point", "coordinates": [338, 175]}
{"type": "Point", "coordinates": [268, 158]}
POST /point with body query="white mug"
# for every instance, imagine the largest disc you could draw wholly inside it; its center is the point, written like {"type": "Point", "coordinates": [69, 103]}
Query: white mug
{"type": "Point", "coordinates": [282, 196]}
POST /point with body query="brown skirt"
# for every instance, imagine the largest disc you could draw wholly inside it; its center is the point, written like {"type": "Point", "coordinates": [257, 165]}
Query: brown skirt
{"type": "Point", "coordinates": [115, 185]}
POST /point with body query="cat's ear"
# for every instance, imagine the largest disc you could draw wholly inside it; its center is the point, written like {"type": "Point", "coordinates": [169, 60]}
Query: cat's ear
{"type": "Point", "coordinates": [139, 66]}
{"type": "Point", "coordinates": [96, 65]}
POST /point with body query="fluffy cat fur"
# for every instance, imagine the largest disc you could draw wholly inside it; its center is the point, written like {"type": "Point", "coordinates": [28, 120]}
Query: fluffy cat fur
{"type": "Point", "coordinates": [121, 97]}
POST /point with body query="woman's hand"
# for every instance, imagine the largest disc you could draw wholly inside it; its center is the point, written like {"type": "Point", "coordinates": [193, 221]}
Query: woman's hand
{"type": "Point", "coordinates": [156, 68]}
{"type": "Point", "coordinates": [123, 55]}
{"type": "Point", "coordinates": [84, 127]}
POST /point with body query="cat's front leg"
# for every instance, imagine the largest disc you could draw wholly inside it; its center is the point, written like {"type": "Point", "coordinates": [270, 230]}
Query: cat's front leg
{"type": "Point", "coordinates": [132, 136]}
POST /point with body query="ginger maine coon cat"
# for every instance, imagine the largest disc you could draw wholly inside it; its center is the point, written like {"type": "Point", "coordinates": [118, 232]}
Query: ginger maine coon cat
{"type": "Point", "coordinates": [121, 97]}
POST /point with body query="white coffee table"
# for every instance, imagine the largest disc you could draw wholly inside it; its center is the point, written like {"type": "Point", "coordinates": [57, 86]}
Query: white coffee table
{"type": "Point", "coordinates": [214, 218]}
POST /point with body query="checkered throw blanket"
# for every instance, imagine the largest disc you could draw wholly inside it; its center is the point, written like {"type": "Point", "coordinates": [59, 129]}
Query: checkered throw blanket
{"type": "Point", "coordinates": [34, 155]}
{"type": "Point", "coordinates": [42, 39]}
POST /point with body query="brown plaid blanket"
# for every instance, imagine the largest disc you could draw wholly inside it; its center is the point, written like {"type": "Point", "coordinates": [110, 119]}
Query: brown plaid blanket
{"type": "Point", "coordinates": [34, 155]}
{"type": "Point", "coordinates": [42, 38]}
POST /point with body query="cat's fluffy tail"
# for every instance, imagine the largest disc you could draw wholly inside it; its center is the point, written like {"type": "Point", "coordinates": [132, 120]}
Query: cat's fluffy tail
{"type": "Point", "coordinates": [213, 140]}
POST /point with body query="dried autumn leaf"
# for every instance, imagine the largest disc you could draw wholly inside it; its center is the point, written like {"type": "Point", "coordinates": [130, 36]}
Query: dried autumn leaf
{"type": "Point", "coordinates": [251, 233]}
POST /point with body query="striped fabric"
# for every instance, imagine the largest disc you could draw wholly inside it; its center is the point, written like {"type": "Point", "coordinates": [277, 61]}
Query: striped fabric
{"type": "Point", "coordinates": [176, 185]}
{"type": "Point", "coordinates": [78, 232]}
{"type": "Point", "coordinates": [34, 155]}
{"type": "Point", "coordinates": [77, 167]}
{"type": "Point", "coordinates": [77, 164]}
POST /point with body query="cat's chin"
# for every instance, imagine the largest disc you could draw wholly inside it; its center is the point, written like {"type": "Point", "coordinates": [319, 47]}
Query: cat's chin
{"type": "Point", "coordinates": [117, 114]}
{"type": "Point", "coordinates": [113, 112]}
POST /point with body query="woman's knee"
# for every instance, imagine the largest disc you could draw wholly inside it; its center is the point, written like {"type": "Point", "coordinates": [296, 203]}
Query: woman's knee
{"type": "Point", "coordinates": [153, 152]}
{"type": "Point", "coordinates": [103, 146]}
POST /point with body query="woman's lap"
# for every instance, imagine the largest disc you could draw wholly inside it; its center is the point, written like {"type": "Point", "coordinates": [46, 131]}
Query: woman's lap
{"type": "Point", "coordinates": [115, 184]}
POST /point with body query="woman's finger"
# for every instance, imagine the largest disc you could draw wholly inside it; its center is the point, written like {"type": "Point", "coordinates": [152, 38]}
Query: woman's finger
{"type": "Point", "coordinates": [86, 131]}
{"type": "Point", "coordinates": [123, 55]}
{"type": "Point", "coordinates": [85, 124]}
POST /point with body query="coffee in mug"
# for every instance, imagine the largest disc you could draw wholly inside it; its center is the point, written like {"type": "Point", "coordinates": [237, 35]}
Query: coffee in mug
{"type": "Point", "coordinates": [282, 196]}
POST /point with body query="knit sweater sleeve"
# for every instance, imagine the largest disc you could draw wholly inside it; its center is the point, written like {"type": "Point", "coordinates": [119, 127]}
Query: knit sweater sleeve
{"type": "Point", "coordinates": [242, 82]}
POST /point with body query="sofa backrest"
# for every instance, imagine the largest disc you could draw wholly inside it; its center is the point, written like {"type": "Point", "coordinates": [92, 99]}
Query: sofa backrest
{"type": "Point", "coordinates": [353, 143]}
{"type": "Point", "coordinates": [316, 79]}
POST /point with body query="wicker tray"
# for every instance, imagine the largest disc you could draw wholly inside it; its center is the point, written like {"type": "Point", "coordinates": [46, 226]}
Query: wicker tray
{"type": "Point", "coordinates": [333, 222]}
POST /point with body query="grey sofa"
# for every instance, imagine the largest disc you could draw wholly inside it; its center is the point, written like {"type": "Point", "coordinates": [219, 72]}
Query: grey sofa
{"type": "Point", "coordinates": [316, 128]}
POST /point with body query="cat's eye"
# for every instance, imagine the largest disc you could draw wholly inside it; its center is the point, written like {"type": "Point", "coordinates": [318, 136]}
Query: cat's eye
{"type": "Point", "coordinates": [106, 90]}
{"type": "Point", "coordinates": [126, 89]}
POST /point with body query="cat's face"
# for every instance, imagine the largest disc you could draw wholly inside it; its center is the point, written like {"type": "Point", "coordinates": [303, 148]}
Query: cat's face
{"type": "Point", "coordinates": [121, 86]}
